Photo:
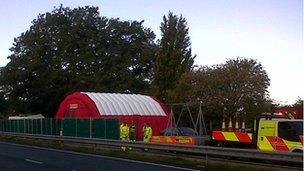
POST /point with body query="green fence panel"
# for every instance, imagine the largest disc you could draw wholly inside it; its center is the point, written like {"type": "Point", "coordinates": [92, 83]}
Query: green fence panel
{"type": "Point", "coordinates": [1, 125]}
{"type": "Point", "coordinates": [98, 128]}
{"type": "Point", "coordinates": [5, 126]}
{"type": "Point", "coordinates": [105, 128]}
{"type": "Point", "coordinates": [16, 126]}
{"type": "Point", "coordinates": [46, 127]}
{"type": "Point", "coordinates": [31, 126]}
{"type": "Point", "coordinates": [43, 126]}
{"type": "Point", "coordinates": [21, 125]}
{"type": "Point", "coordinates": [69, 127]}
{"type": "Point", "coordinates": [49, 126]}
{"type": "Point", "coordinates": [82, 127]}
{"type": "Point", "coordinates": [39, 126]}
{"type": "Point", "coordinates": [112, 129]}
{"type": "Point", "coordinates": [27, 126]}
{"type": "Point", "coordinates": [101, 128]}
{"type": "Point", "coordinates": [13, 127]}
{"type": "Point", "coordinates": [55, 126]}
{"type": "Point", "coordinates": [10, 125]}
{"type": "Point", "coordinates": [34, 121]}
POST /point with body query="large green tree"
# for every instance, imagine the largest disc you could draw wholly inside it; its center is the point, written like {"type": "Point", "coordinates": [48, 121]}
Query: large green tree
{"type": "Point", "coordinates": [70, 50]}
{"type": "Point", "coordinates": [174, 54]}
{"type": "Point", "coordinates": [237, 88]}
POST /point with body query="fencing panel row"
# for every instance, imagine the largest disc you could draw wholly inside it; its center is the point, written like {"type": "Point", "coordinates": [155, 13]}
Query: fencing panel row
{"type": "Point", "coordinates": [90, 128]}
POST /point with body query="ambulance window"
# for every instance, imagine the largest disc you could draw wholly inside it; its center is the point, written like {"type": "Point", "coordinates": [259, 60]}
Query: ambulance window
{"type": "Point", "coordinates": [288, 131]}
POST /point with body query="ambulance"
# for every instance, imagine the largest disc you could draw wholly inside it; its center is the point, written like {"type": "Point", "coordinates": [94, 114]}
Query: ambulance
{"type": "Point", "coordinates": [273, 134]}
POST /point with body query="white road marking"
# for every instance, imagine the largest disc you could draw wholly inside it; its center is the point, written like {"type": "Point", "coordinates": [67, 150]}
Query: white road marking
{"type": "Point", "coordinates": [33, 161]}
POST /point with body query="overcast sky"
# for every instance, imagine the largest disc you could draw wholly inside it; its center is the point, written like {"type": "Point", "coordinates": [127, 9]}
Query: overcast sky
{"type": "Point", "coordinates": [270, 31]}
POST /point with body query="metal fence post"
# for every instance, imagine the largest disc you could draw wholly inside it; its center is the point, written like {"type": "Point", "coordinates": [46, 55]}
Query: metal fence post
{"type": "Point", "coordinates": [18, 126]}
{"type": "Point", "coordinates": [23, 125]}
{"type": "Point", "coordinates": [41, 126]}
{"type": "Point", "coordinates": [51, 121]}
{"type": "Point", "coordinates": [32, 121]}
{"type": "Point", "coordinates": [90, 127]}
{"type": "Point", "coordinates": [10, 125]}
{"type": "Point", "coordinates": [105, 129]}
{"type": "Point", "coordinates": [61, 127]}
{"type": "Point", "coordinates": [76, 127]}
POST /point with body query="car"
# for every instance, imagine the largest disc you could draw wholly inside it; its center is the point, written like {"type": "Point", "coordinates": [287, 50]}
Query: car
{"type": "Point", "coordinates": [179, 131]}
{"type": "Point", "coordinates": [187, 132]}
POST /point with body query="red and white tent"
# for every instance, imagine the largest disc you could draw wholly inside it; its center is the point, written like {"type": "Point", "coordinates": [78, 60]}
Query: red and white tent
{"type": "Point", "coordinates": [127, 108]}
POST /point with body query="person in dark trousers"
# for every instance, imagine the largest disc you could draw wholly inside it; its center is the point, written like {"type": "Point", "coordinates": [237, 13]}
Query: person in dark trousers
{"type": "Point", "coordinates": [132, 132]}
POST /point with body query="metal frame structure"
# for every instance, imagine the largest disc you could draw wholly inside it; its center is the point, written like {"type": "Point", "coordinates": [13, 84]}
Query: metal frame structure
{"type": "Point", "coordinates": [198, 125]}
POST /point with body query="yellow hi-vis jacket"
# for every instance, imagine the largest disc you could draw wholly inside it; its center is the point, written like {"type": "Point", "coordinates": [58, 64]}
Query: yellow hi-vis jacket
{"type": "Point", "coordinates": [147, 131]}
{"type": "Point", "coordinates": [124, 132]}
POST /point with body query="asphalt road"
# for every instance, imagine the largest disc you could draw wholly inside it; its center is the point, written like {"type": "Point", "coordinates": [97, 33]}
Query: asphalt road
{"type": "Point", "coordinates": [23, 157]}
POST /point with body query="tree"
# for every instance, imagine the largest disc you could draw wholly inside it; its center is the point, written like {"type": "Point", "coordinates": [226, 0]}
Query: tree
{"type": "Point", "coordinates": [237, 88]}
{"type": "Point", "coordinates": [70, 50]}
{"type": "Point", "coordinates": [174, 54]}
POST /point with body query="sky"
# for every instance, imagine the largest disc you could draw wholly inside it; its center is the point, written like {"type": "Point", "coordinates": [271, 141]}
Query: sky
{"type": "Point", "coordinates": [269, 31]}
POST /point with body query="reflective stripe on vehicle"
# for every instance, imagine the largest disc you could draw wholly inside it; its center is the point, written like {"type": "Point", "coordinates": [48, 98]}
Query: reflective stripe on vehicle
{"type": "Point", "coordinates": [277, 143]}
{"type": "Point", "coordinates": [173, 139]}
{"type": "Point", "coordinates": [232, 136]}
{"type": "Point", "coordinates": [244, 137]}
{"type": "Point", "coordinates": [264, 144]}
{"type": "Point", "coordinates": [218, 135]}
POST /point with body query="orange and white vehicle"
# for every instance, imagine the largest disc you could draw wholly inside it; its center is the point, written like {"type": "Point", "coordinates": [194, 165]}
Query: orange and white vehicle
{"type": "Point", "coordinates": [273, 134]}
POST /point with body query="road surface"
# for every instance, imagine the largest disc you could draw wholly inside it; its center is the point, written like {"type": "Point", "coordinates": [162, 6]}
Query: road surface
{"type": "Point", "coordinates": [23, 157]}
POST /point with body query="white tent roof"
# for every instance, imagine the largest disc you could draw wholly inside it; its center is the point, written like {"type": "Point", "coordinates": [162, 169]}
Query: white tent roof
{"type": "Point", "coordinates": [126, 104]}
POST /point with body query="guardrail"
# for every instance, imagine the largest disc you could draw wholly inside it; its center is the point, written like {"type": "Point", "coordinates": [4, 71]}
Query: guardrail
{"type": "Point", "coordinates": [193, 149]}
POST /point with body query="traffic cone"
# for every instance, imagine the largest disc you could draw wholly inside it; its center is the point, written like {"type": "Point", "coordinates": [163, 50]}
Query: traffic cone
{"type": "Point", "coordinates": [223, 125]}
{"type": "Point", "coordinates": [243, 126]}
{"type": "Point", "coordinates": [236, 125]}
{"type": "Point", "coordinates": [230, 125]}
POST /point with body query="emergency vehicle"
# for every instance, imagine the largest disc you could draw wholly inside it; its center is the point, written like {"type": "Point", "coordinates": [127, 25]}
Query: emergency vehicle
{"type": "Point", "coordinates": [274, 133]}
